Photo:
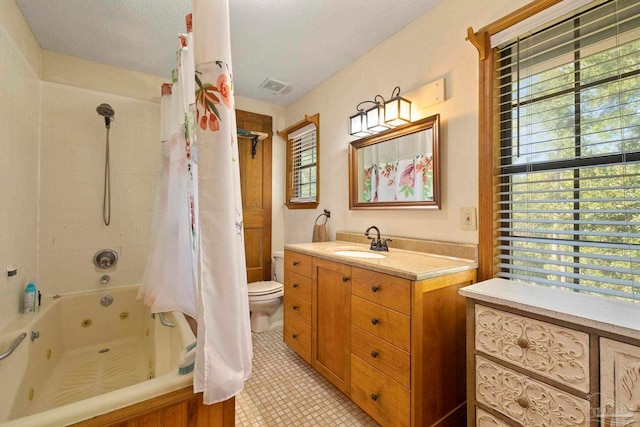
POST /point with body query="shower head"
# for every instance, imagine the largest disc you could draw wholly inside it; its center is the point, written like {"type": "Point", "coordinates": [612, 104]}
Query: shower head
{"type": "Point", "coordinates": [107, 112]}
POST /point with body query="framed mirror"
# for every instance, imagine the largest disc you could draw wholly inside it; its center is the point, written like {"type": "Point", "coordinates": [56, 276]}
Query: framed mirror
{"type": "Point", "coordinates": [398, 168]}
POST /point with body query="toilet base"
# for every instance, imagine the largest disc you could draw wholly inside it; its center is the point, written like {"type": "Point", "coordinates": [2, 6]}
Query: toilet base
{"type": "Point", "coordinates": [262, 322]}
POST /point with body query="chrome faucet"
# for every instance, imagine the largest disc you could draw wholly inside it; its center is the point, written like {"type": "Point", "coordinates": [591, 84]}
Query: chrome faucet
{"type": "Point", "coordinates": [377, 244]}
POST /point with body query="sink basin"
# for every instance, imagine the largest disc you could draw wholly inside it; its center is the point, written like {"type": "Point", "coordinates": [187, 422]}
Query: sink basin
{"type": "Point", "coordinates": [360, 254]}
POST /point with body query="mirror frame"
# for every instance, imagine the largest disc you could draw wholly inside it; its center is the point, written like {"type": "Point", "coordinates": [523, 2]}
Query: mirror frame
{"type": "Point", "coordinates": [432, 122]}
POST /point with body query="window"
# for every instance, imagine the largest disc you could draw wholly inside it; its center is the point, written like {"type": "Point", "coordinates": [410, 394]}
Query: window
{"type": "Point", "coordinates": [567, 157]}
{"type": "Point", "coordinates": [303, 144]}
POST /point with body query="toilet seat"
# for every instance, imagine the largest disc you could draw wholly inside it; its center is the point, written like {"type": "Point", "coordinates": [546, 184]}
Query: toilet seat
{"type": "Point", "coordinates": [264, 288]}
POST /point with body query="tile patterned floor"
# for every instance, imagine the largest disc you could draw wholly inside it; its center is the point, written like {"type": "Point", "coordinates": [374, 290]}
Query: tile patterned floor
{"type": "Point", "coordinates": [285, 391]}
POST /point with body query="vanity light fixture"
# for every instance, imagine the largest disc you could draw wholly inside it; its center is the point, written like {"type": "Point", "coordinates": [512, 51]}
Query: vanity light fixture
{"type": "Point", "coordinates": [358, 124]}
{"type": "Point", "coordinates": [382, 116]}
{"type": "Point", "coordinates": [397, 110]}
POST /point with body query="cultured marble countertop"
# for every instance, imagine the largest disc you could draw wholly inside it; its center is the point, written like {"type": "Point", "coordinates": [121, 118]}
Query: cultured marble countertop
{"type": "Point", "coordinates": [397, 262]}
{"type": "Point", "coordinates": [606, 314]}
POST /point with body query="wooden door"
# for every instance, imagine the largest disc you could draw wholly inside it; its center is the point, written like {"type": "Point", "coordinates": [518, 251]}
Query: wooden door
{"type": "Point", "coordinates": [255, 178]}
{"type": "Point", "coordinates": [331, 318]}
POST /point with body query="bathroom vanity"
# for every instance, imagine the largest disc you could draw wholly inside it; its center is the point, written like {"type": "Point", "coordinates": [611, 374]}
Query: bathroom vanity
{"type": "Point", "coordinates": [543, 356]}
{"type": "Point", "coordinates": [386, 328]}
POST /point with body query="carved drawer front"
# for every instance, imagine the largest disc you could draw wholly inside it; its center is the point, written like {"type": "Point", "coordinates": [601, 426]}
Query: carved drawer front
{"type": "Point", "coordinates": [385, 400]}
{"type": "Point", "coordinates": [558, 353]}
{"type": "Point", "coordinates": [525, 400]}
{"type": "Point", "coordinates": [619, 384]}
{"type": "Point", "coordinates": [387, 324]}
{"type": "Point", "coordinates": [485, 419]}
{"type": "Point", "coordinates": [297, 335]}
{"type": "Point", "coordinates": [295, 284]}
{"type": "Point", "coordinates": [294, 306]}
{"type": "Point", "coordinates": [389, 291]}
{"type": "Point", "coordinates": [298, 263]}
{"type": "Point", "coordinates": [388, 358]}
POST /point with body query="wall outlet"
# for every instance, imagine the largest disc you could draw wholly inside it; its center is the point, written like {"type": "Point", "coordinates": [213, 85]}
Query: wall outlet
{"type": "Point", "coordinates": [468, 219]}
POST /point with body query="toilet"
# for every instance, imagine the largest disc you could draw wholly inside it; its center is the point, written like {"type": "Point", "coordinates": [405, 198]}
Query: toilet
{"type": "Point", "coordinates": [265, 298]}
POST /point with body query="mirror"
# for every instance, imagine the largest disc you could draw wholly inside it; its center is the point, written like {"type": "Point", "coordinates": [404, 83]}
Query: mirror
{"type": "Point", "coordinates": [398, 168]}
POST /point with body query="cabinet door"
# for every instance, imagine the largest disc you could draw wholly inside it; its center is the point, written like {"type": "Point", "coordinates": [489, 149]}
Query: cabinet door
{"type": "Point", "coordinates": [619, 384]}
{"type": "Point", "coordinates": [331, 322]}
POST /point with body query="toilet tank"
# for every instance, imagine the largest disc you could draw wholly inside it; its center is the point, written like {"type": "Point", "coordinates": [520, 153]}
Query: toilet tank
{"type": "Point", "coordinates": [278, 266]}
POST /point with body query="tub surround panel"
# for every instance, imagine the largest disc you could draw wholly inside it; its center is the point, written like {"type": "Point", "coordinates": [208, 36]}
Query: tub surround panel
{"type": "Point", "coordinates": [19, 142]}
{"type": "Point", "coordinates": [71, 196]}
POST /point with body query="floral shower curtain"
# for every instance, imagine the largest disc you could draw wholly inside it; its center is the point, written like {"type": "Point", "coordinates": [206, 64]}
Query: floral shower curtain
{"type": "Point", "coordinates": [169, 280]}
{"type": "Point", "coordinates": [196, 262]}
{"type": "Point", "coordinates": [223, 359]}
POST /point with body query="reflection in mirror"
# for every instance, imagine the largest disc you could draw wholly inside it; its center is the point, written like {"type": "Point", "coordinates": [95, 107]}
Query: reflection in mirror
{"type": "Point", "coordinates": [396, 169]}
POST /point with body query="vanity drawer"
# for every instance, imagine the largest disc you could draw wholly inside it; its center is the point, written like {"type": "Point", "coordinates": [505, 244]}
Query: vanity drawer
{"type": "Point", "coordinates": [524, 399]}
{"type": "Point", "coordinates": [383, 399]}
{"type": "Point", "coordinates": [552, 351]}
{"type": "Point", "coordinates": [297, 335]}
{"type": "Point", "coordinates": [485, 419]}
{"type": "Point", "coordinates": [389, 359]}
{"type": "Point", "coordinates": [295, 284]}
{"type": "Point", "coordinates": [294, 306]}
{"type": "Point", "coordinates": [389, 291]}
{"type": "Point", "coordinates": [298, 263]}
{"type": "Point", "coordinates": [382, 322]}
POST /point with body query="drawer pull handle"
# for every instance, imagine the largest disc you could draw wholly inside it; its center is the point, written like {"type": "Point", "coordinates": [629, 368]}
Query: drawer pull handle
{"type": "Point", "coordinates": [295, 263]}
{"type": "Point", "coordinates": [294, 336]}
{"type": "Point", "coordinates": [374, 288]}
{"type": "Point", "coordinates": [374, 321]}
{"type": "Point", "coordinates": [523, 342]}
{"type": "Point", "coordinates": [295, 307]}
{"type": "Point", "coordinates": [523, 402]}
{"type": "Point", "coordinates": [374, 354]}
{"type": "Point", "coordinates": [374, 396]}
{"type": "Point", "coordinates": [295, 285]}
{"type": "Point", "coordinates": [345, 279]}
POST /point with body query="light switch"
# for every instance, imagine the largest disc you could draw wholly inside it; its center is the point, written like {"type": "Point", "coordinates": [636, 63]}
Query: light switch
{"type": "Point", "coordinates": [468, 219]}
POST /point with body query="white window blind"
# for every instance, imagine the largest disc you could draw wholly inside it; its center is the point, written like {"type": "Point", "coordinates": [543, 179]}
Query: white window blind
{"type": "Point", "coordinates": [303, 161]}
{"type": "Point", "coordinates": [568, 107]}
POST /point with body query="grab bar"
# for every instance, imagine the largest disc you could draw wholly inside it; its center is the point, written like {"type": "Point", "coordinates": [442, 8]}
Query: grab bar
{"type": "Point", "coordinates": [13, 346]}
{"type": "Point", "coordinates": [163, 320]}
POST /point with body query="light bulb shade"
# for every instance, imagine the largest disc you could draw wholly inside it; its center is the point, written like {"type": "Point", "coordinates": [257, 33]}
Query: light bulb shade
{"type": "Point", "coordinates": [375, 119]}
{"type": "Point", "coordinates": [397, 111]}
{"type": "Point", "coordinates": [358, 125]}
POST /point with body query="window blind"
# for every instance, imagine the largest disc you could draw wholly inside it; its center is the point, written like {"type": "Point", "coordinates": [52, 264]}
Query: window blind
{"type": "Point", "coordinates": [303, 161]}
{"type": "Point", "coordinates": [568, 189]}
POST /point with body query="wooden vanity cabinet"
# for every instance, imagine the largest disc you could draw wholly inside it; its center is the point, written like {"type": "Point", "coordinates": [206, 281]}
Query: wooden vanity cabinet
{"type": "Point", "coordinates": [297, 303]}
{"type": "Point", "coordinates": [330, 332]}
{"type": "Point", "coordinates": [395, 346]}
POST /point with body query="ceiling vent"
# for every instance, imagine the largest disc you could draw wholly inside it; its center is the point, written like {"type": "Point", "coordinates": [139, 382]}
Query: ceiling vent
{"type": "Point", "coordinates": [274, 86]}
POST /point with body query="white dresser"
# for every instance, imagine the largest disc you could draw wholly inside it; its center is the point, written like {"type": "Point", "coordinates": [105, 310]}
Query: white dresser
{"type": "Point", "coordinates": [544, 357]}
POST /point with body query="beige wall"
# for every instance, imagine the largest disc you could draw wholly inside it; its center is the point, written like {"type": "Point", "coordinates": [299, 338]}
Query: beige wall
{"type": "Point", "coordinates": [430, 48]}
{"type": "Point", "coordinates": [19, 139]}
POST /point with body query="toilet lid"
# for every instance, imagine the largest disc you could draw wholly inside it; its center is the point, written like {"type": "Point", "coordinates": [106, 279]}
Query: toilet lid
{"type": "Point", "coordinates": [264, 288]}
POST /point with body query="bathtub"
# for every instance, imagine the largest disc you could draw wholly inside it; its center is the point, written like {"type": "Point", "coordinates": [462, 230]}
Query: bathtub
{"type": "Point", "coordinates": [88, 359]}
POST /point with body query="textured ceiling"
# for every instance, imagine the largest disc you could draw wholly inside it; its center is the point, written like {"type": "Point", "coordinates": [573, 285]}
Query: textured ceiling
{"type": "Point", "coordinates": [298, 42]}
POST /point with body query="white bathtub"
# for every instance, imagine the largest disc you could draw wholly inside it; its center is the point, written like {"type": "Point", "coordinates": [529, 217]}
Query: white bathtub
{"type": "Point", "coordinates": [66, 376]}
